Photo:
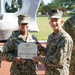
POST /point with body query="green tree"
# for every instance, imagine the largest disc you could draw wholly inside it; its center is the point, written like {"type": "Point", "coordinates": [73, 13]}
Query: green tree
{"type": "Point", "coordinates": [67, 3]}
{"type": "Point", "coordinates": [64, 3]}
{"type": "Point", "coordinates": [42, 3]}
{"type": "Point", "coordinates": [56, 4]}
{"type": "Point", "coordinates": [19, 4]}
{"type": "Point", "coordinates": [13, 4]}
{"type": "Point", "coordinates": [6, 7]}
{"type": "Point", "coordinates": [41, 6]}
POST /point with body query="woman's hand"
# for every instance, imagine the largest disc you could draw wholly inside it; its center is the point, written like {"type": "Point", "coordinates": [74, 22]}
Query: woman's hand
{"type": "Point", "coordinates": [17, 59]}
{"type": "Point", "coordinates": [36, 59]}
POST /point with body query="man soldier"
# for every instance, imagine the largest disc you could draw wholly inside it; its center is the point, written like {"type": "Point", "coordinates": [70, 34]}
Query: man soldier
{"type": "Point", "coordinates": [57, 54]}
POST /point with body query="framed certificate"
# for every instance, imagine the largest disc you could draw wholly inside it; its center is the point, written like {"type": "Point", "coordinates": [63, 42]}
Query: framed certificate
{"type": "Point", "coordinates": [27, 50]}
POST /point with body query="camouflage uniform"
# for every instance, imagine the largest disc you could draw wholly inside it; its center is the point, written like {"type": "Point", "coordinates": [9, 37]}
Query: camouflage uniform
{"type": "Point", "coordinates": [26, 66]}
{"type": "Point", "coordinates": [57, 54]}
{"type": "Point", "coordinates": [69, 27]}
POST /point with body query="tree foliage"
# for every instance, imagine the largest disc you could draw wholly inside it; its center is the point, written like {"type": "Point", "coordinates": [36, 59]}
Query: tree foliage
{"type": "Point", "coordinates": [16, 5]}
{"type": "Point", "coordinates": [57, 4]}
{"type": "Point", "coordinates": [67, 3]}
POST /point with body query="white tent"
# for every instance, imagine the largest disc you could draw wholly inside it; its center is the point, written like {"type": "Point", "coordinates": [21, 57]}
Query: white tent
{"type": "Point", "coordinates": [9, 22]}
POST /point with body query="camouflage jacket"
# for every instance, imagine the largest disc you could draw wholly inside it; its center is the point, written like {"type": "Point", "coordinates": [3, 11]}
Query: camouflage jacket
{"type": "Point", "coordinates": [57, 53]}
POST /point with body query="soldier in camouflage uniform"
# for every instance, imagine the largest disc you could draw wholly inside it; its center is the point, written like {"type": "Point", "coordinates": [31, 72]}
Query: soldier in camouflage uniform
{"type": "Point", "coordinates": [69, 27]}
{"type": "Point", "coordinates": [57, 54]}
{"type": "Point", "coordinates": [20, 66]}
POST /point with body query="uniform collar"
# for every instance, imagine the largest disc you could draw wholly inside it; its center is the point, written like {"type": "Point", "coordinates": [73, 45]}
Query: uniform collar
{"type": "Point", "coordinates": [54, 36]}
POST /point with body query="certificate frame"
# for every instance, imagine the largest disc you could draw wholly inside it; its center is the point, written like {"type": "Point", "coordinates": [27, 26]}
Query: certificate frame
{"type": "Point", "coordinates": [27, 50]}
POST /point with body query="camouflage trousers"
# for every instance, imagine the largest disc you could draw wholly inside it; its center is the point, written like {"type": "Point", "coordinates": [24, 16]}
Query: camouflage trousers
{"type": "Point", "coordinates": [22, 74]}
{"type": "Point", "coordinates": [64, 71]}
{"type": "Point", "coordinates": [23, 68]}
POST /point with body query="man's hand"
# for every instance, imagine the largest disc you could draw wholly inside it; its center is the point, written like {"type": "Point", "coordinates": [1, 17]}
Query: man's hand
{"type": "Point", "coordinates": [39, 46]}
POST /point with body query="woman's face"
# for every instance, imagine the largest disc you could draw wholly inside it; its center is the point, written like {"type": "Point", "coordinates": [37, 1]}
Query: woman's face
{"type": "Point", "coordinates": [24, 27]}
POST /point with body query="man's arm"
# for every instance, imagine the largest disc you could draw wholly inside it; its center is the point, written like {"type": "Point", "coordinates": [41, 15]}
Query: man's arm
{"type": "Point", "coordinates": [63, 53]}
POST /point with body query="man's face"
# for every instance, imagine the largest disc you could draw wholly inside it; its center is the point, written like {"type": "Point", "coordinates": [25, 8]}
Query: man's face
{"type": "Point", "coordinates": [24, 27]}
{"type": "Point", "coordinates": [56, 23]}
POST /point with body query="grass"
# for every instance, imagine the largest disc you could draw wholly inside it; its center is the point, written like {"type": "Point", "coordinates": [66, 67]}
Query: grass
{"type": "Point", "coordinates": [44, 27]}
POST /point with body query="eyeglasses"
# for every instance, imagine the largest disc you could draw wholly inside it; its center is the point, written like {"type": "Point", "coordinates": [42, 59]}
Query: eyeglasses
{"type": "Point", "coordinates": [24, 23]}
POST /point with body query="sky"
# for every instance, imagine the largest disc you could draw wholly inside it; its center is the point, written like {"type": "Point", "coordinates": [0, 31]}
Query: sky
{"type": "Point", "coordinates": [46, 1]}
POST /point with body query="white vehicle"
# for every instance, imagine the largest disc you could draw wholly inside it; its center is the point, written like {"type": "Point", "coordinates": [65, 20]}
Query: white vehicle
{"type": "Point", "coordinates": [9, 13]}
